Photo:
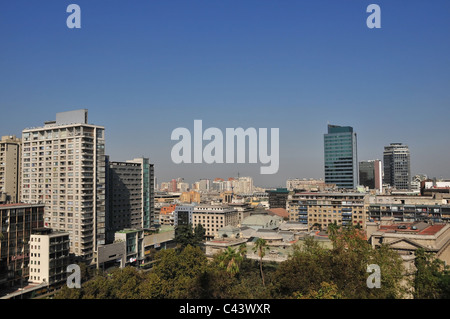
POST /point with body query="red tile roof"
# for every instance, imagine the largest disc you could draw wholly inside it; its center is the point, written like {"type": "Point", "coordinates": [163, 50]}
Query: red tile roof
{"type": "Point", "coordinates": [279, 212]}
{"type": "Point", "coordinates": [431, 230]}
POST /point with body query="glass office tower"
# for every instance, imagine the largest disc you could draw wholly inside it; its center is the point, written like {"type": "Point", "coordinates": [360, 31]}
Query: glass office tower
{"type": "Point", "coordinates": [341, 160]}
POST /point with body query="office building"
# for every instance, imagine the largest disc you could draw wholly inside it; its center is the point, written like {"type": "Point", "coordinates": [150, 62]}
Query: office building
{"type": "Point", "coordinates": [371, 174]}
{"type": "Point", "coordinates": [49, 256]}
{"type": "Point", "coordinates": [278, 197]}
{"type": "Point", "coordinates": [130, 191]}
{"type": "Point", "coordinates": [214, 217]}
{"type": "Point", "coordinates": [397, 166]}
{"type": "Point", "coordinates": [183, 214]}
{"type": "Point", "coordinates": [17, 223]}
{"type": "Point", "coordinates": [10, 169]}
{"type": "Point", "coordinates": [341, 160]}
{"type": "Point", "coordinates": [63, 166]}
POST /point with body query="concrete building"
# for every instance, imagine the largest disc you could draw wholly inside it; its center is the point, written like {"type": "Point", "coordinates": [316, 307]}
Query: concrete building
{"type": "Point", "coordinates": [406, 238]}
{"type": "Point", "coordinates": [63, 166]}
{"type": "Point", "coordinates": [244, 210]}
{"type": "Point", "coordinates": [322, 209]}
{"type": "Point", "coordinates": [163, 239]}
{"type": "Point", "coordinates": [341, 156]}
{"type": "Point", "coordinates": [397, 166]}
{"type": "Point", "coordinates": [49, 256]}
{"type": "Point", "coordinates": [130, 195]}
{"type": "Point", "coordinates": [371, 175]}
{"type": "Point", "coordinates": [134, 245]}
{"type": "Point", "coordinates": [214, 217]}
{"type": "Point", "coordinates": [17, 223]}
{"type": "Point", "coordinates": [10, 169]}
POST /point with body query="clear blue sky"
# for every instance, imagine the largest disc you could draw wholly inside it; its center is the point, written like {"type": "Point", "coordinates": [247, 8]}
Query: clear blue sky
{"type": "Point", "coordinates": [146, 67]}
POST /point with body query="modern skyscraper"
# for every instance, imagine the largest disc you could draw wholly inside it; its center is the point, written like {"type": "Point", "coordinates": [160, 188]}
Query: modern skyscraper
{"type": "Point", "coordinates": [130, 195]}
{"type": "Point", "coordinates": [341, 160]}
{"type": "Point", "coordinates": [397, 167]}
{"type": "Point", "coordinates": [10, 169]}
{"type": "Point", "coordinates": [370, 174]}
{"type": "Point", "coordinates": [63, 165]}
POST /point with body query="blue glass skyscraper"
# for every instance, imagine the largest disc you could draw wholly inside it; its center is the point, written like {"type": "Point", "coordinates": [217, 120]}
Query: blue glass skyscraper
{"type": "Point", "coordinates": [341, 160]}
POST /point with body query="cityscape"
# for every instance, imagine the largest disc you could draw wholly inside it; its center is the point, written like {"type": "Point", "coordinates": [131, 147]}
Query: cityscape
{"type": "Point", "coordinates": [224, 151]}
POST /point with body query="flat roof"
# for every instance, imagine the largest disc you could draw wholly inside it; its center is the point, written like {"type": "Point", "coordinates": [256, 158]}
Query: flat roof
{"type": "Point", "coordinates": [20, 205]}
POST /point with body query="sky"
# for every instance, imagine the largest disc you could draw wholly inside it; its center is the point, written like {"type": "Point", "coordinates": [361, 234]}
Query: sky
{"type": "Point", "coordinates": [144, 68]}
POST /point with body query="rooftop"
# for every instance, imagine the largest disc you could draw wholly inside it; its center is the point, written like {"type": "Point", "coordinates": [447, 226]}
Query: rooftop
{"type": "Point", "coordinates": [417, 228]}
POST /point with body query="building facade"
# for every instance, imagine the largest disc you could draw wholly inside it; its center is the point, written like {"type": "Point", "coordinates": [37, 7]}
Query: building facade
{"type": "Point", "coordinates": [130, 191]}
{"type": "Point", "coordinates": [371, 174]}
{"type": "Point", "coordinates": [17, 223]}
{"type": "Point", "coordinates": [182, 214]}
{"type": "Point", "coordinates": [397, 166]}
{"type": "Point", "coordinates": [410, 208]}
{"type": "Point", "coordinates": [214, 217]}
{"type": "Point", "coordinates": [63, 166]}
{"type": "Point", "coordinates": [49, 256]}
{"type": "Point", "coordinates": [278, 197]}
{"type": "Point", "coordinates": [322, 209]}
{"type": "Point", "coordinates": [10, 169]}
{"type": "Point", "coordinates": [341, 159]}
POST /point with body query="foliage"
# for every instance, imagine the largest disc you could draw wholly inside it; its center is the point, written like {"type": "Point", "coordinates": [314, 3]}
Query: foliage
{"type": "Point", "coordinates": [260, 248]}
{"type": "Point", "coordinates": [340, 272]}
{"type": "Point", "coordinates": [311, 272]}
{"type": "Point", "coordinates": [432, 278]}
{"type": "Point", "coordinates": [185, 235]}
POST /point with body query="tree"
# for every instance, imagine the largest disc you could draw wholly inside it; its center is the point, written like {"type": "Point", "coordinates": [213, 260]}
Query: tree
{"type": "Point", "coordinates": [185, 235]}
{"type": "Point", "coordinates": [260, 248]}
{"type": "Point", "coordinates": [431, 279]}
{"type": "Point", "coordinates": [175, 274]}
{"type": "Point", "coordinates": [199, 234]}
{"type": "Point", "coordinates": [230, 260]}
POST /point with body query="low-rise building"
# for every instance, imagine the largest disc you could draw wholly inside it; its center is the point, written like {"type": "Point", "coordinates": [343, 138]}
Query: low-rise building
{"type": "Point", "coordinates": [214, 217]}
{"type": "Point", "coordinates": [406, 238]}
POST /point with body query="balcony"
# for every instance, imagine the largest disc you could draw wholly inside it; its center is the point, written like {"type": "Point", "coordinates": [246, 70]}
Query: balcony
{"type": "Point", "coordinates": [347, 213]}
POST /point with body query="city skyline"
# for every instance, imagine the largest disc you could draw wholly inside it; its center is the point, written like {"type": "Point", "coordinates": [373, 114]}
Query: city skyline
{"type": "Point", "coordinates": [146, 68]}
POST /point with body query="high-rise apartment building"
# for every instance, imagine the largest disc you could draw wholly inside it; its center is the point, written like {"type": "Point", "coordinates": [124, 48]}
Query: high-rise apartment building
{"type": "Point", "coordinates": [63, 166]}
{"type": "Point", "coordinates": [341, 160]}
{"type": "Point", "coordinates": [397, 167]}
{"type": "Point", "coordinates": [130, 195]}
{"type": "Point", "coordinates": [10, 169]}
{"type": "Point", "coordinates": [371, 174]}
